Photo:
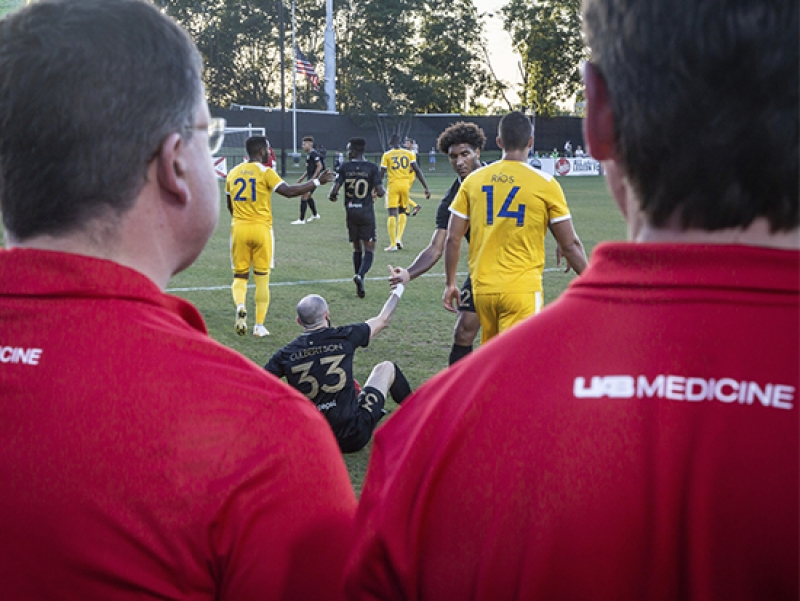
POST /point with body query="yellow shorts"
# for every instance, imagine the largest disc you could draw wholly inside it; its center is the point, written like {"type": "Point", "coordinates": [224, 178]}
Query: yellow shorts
{"type": "Point", "coordinates": [252, 244]}
{"type": "Point", "coordinates": [397, 196]}
{"type": "Point", "coordinates": [498, 312]}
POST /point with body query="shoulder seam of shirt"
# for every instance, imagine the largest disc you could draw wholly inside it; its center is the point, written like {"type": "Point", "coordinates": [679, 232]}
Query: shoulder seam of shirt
{"type": "Point", "coordinates": [543, 174]}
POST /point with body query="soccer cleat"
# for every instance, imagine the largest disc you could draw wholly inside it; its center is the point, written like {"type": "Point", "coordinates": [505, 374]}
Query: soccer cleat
{"type": "Point", "coordinates": [260, 331]}
{"type": "Point", "coordinates": [298, 222]}
{"type": "Point", "coordinates": [241, 320]}
{"type": "Point", "coordinates": [313, 217]}
{"type": "Point", "coordinates": [390, 249]}
{"type": "Point", "coordinates": [416, 210]}
{"type": "Point", "coordinates": [359, 286]}
{"type": "Point", "coordinates": [399, 245]}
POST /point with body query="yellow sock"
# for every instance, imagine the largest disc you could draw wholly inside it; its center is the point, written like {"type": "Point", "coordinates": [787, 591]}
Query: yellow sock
{"type": "Point", "coordinates": [239, 289]}
{"type": "Point", "coordinates": [262, 297]}
{"type": "Point", "coordinates": [391, 225]}
{"type": "Point", "coordinates": [412, 204]}
{"type": "Point", "coordinates": [401, 225]}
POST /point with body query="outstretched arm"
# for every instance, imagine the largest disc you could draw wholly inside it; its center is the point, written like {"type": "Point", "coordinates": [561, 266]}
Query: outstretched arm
{"type": "Point", "coordinates": [381, 321]}
{"type": "Point", "coordinates": [290, 191]}
{"type": "Point", "coordinates": [424, 261]}
{"type": "Point", "coordinates": [456, 229]}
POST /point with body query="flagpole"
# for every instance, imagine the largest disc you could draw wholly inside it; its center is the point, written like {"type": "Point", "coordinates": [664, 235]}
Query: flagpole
{"type": "Point", "coordinates": [294, 89]}
{"type": "Point", "coordinates": [330, 57]}
{"type": "Point", "coordinates": [281, 29]}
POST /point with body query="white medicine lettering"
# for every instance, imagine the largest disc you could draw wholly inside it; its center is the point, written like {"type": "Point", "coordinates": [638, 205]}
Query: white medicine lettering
{"type": "Point", "coordinates": [25, 356]}
{"type": "Point", "coordinates": [691, 389]}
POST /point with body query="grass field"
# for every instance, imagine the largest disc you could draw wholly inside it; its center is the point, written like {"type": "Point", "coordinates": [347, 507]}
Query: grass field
{"type": "Point", "coordinates": [316, 258]}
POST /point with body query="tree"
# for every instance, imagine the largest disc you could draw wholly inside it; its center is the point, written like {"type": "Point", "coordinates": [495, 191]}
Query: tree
{"type": "Point", "coordinates": [240, 42]}
{"type": "Point", "coordinates": [547, 34]}
{"type": "Point", "coordinates": [447, 62]}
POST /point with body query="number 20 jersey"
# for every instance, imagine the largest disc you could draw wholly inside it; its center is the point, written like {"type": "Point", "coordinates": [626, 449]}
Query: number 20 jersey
{"type": "Point", "coordinates": [509, 206]}
{"type": "Point", "coordinates": [320, 365]}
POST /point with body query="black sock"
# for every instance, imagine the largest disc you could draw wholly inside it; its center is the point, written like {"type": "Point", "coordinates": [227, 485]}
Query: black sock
{"type": "Point", "coordinates": [400, 388]}
{"type": "Point", "coordinates": [357, 261]}
{"type": "Point", "coordinates": [366, 263]}
{"type": "Point", "coordinates": [313, 206]}
{"type": "Point", "coordinates": [458, 352]}
{"type": "Point", "coordinates": [303, 208]}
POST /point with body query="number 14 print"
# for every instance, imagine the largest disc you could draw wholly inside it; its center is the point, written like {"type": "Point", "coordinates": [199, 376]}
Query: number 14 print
{"type": "Point", "coordinates": [505, 210]}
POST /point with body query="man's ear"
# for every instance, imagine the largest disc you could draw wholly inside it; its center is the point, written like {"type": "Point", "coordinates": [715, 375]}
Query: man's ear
{"type": "Point", "coordinates": [171, 168]}
{"type": "Point", "coordinates": [598, 127]}
{"type": "Point", "coordinates": [499, 142]}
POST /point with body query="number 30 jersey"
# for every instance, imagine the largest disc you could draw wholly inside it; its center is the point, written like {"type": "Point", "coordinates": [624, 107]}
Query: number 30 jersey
{"type": "Point", "coordinates": [398, 166]}
{"type": "Point", "coordinates": [320, 365]}
{"type": "Point", "coordinates": [359, 179]}
{"type": "Point", "coordinates": [509, 206]}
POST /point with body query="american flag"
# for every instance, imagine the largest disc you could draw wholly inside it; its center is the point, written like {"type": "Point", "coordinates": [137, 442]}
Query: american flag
{"type": "Point", "coordinates": [305, 67]}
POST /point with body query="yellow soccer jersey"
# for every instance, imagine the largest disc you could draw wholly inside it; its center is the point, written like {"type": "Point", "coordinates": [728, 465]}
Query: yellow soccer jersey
{"type": "Point", "coordinates": [250, 187]}
{"type": "Point", "coordinates": [509, 206]}
{"type": "Point", "coordinates": [397, 162]}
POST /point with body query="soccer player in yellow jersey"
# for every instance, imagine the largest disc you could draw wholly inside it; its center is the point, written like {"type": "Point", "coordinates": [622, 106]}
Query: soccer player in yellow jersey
{"type": "Point", "coordinates": [249, 187]}
{"type": "Point", "coordinates": [401, 165]}
{"type": "Point", "coordinates": [508, 207]}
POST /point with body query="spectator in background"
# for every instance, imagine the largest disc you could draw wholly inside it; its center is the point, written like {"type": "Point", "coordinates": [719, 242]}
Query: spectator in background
{"type": "Point", "coordinates": [568, 149]}
{"type": "Point", "coordinates": [579, 152]}
{"type": "Point", "coordinates": [140, 458]}
{"type": "Point", "coordinates": [639, 438]}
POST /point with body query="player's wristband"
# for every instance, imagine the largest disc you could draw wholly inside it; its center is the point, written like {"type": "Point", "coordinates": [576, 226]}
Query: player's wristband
{"type": "Point", "coordinates": [316, 183]}
{"type": "Point", "coordinates": [398, 290]}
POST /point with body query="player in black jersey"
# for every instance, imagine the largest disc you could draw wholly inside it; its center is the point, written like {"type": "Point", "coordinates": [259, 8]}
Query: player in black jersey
{"type": "Point", "coordinates": [362, 182]}
{"type": "Point", "coordinates": [462, 143]}
{"type": "Point", "coordinates": [315, 164]}
{"type": "Point", "coordinates": [319, 363]}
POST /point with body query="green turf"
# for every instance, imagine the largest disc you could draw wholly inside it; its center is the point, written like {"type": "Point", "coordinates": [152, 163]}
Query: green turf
{"type": "Point", "coordinates": [316, 258]}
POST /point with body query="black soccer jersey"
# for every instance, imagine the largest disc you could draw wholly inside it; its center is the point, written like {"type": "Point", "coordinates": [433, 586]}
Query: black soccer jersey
{"type": "Point", "coordinates": [443, 210]}
{"type": "Point", "coordinates": [312, 158]}
{"type": "Point", "coordinates": [359, 180]}
{"type": "Point", "coordinates": [320, 365]}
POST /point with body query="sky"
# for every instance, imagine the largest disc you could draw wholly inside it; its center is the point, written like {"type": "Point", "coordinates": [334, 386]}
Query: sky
{"type": "Point", "coordinates": [502, 57]}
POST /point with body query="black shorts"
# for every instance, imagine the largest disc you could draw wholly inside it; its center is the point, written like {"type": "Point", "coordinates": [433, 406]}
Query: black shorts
{"type": "Point", "coordinates": [368, 414]}
{"type": "Point", "coordinates": [361, 226]}
{"type": "Point", "coordinates": [467, 300]}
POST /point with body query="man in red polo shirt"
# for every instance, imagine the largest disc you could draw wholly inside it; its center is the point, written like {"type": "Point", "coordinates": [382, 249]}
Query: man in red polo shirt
{"type": "Point", "coordinates": [139, 459]}
{"type": "Point", "coordinates": [638, 439]}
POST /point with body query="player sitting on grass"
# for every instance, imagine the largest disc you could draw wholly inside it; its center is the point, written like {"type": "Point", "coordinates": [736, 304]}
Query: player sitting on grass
{"type": "Point", "coordinates": [319, 363]}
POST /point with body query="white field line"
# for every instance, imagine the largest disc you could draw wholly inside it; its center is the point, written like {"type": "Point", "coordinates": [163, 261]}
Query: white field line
{"type": "Point", "coordinates": [307, 282]}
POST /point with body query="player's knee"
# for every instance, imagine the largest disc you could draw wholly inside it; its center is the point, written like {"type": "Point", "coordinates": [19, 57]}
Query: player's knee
{"type": "Point", "coordinates": [466, 328]}
{"type": "Point", "coordinates": [382, 376]}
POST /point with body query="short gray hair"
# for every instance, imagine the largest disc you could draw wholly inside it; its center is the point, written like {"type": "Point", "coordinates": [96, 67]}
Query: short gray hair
{"type": "Point", "coordinates": [311, 310]}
